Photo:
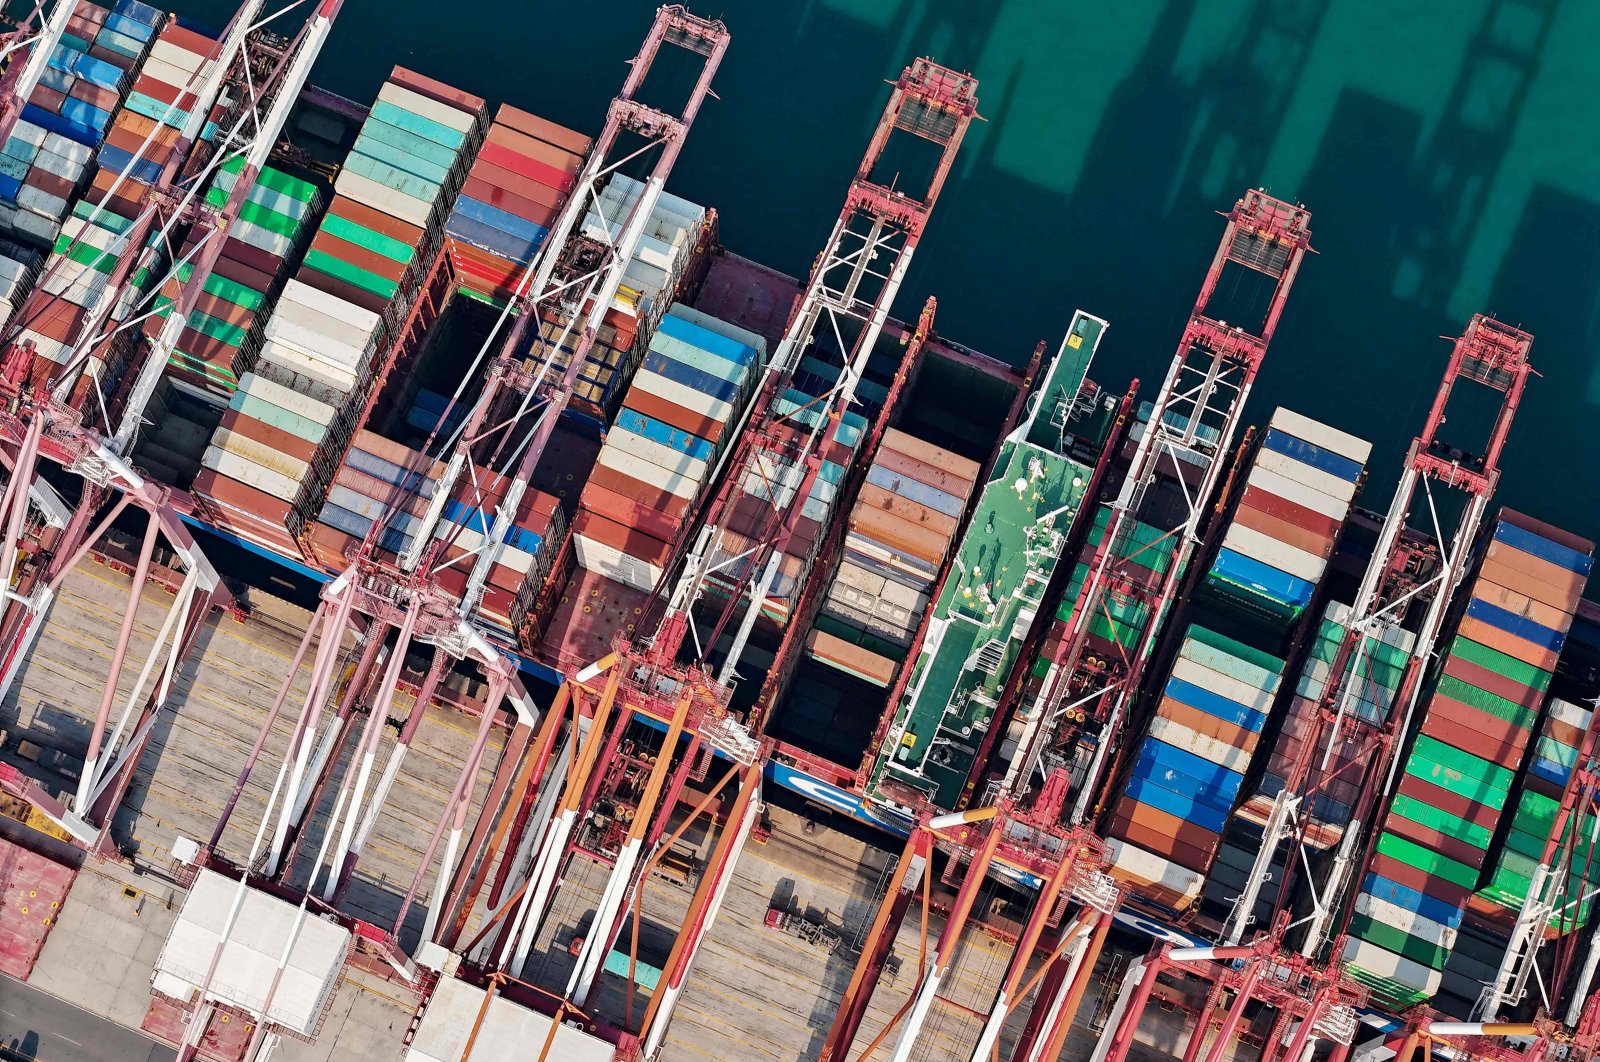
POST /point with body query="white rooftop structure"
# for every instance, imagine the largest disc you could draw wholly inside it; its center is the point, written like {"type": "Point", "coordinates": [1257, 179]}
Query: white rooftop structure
{"type": "Point", "coordinates": [510, 1031]}
{"type": "Point", "coordinates": [250, 958]}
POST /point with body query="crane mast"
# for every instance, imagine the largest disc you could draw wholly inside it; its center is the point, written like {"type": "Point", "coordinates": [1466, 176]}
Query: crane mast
{"type": "Point", "coordinates": [1184, 440]}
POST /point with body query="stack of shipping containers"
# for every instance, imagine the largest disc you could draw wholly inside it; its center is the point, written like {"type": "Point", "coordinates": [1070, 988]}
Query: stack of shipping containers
{"type": "Point", "coordinates": [516, 186]}
{"type": "Point", "coordinates": [905, 519]}
{"type": "Point", "coordinates": [18, 269]}
{"type": "Point", "coordinates": [771, 479]}
{"type": "Point", "coordinates": [1166, 824]}
{"type": "Point", "coordinates": [325, 334]}
{"type": "Point", "coordinates": [145, 131]}
{"type": "Point", "coordinates": [77, 93]}
{"type": "Point", "coordinates": [1175, 815]}
{"type": "Point", "coordinates": [1458, 775]}
{"type": "Point", "coordinates": [656, 463]}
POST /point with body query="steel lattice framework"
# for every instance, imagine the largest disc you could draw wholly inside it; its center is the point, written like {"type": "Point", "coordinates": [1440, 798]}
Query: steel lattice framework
{"type": "Point", "coordinates": [1186, 439]}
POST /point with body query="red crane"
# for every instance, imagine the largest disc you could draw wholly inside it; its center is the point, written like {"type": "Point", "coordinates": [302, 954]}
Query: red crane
{"type": "Point", "coordinates": [1185, 439]}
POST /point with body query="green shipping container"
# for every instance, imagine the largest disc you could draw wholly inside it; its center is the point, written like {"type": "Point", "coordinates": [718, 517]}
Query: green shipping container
{"type": "Point", "coordinates": [1413, 810]}
{"type": "Point", "coordinates": [1501, 664]}
{"type": "Point", "coordinates": [1385, 936]}
{"type": "Point", "coordinates": [333, 267]}
{"type": "Point", "coordinates": [361, 236]}
{"type": "Point", "coordinates": [1429, 862]}
{"type": "Point", "coordinates": [1265, 661]}
{"type": "Point", "coordinates": [1499, 707]}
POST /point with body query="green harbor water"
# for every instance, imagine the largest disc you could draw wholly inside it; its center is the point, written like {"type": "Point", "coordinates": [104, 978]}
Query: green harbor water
{"type": "Point", "coordinates": [1448, 150]}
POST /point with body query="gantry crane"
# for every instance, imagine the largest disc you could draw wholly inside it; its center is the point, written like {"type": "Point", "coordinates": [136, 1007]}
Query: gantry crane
{"type": "Point", "coordinates": [1399, 579]}
{"type": "Point", "coordinates": [375, 596]}
{"type": "Point", "coordinates": [575, 277]}
{"type": "Point", "coordinates": [1064, 864]}
{"type": "Point", "coordinates": [1185, 439]}
{"type": "Point", "coordinates": [848, 298]}
{"type": "Point", "coordinates": [68, 420]}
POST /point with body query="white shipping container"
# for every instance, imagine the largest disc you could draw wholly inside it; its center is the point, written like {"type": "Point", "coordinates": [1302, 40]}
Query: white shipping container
{"type": "Point", "coordinates": [76, 228]}
{"type": "Point", "coordinates": [1268, 550]}
{"type": "Point", "coordinates": [1294, 491]}
{"type": "Point", "coordinates": [1407, 921]}
{"type": "Point", "coordinates": [318, 322]}
{"type": "Point", "coordinates": [313, 344]}
{"type": "Point", "coordinates": [254, 235]}
{"type": "Point", "coordinates": [283, 398]}
{"type": "Point", "coordinates": [648, 472]}
{"type": "Point", "coordinates": [681, 394]}
{"type": "Point", "coordinates": [675, 461]}
{"type": "Point", "coordinates": [357, 502]}
{"type": "Point", "coordinates": [250, 474]}
{"type": "Point", "coordinates": [1319, 434]}
{"type": "Point", "coordinates": [1148, 868]}
{"type": "Point", "coordinates": [284, 376]}
{"type": "Point", "coordinates": [166, 51]}
{"type": "Point", "coordinates": [75, 282]}
{"type": "Point", "coordinates": [65, 168]}
{"type": "Point", "coordinates": [303, 294]}
{"type": "Point", "coordinates": [30, 134]}
{"type": "Point", "coordinates": [381, 197]}
{"type": "Point", "coordinates": [1314, 478]}
{"type": "Point", "coordinates": [40, 228]}
{"type": "Point", "coordinates": [174, 75]}
{"type": "Point", "coordinates": [297, 361]}
{"type": "Point", "coordinates": [71, 150]}
{"type": "Point", "coordinates": [1225, 686]}
{"type": "Point", "coordinates": [11, 270]}
{"type": "Point", "coordinates": [260, 453]}
{"type": "Point", "coordinates": [42, 203]}
{"type": "Point", "coordinates": [1569, 713]}
{"type": "Point", "coordinates": [428, 108]}
{"type": "Point", "coordinates": [47, 348]}
{"type": "Point", "coordinates": [1207, 748]}
{"type": "Point", "coordinates": [1387, 964]}
{"type": "Point", "coordinates": [611, 562]}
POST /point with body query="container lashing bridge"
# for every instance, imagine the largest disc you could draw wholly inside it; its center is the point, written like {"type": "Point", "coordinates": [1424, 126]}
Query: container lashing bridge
{"type": "Point", "coordinates": [84, 413]}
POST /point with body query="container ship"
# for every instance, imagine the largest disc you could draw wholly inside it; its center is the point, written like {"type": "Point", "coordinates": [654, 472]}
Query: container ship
{"type": "Point", "coordinates": [457, 609]}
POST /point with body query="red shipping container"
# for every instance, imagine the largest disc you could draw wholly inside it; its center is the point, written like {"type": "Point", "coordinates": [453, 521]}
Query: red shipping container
{"type": "Point", "coordinates": [1423, 882]}
{"type": "Point", "coordinates": [284, 442]}
{"type": "Point", "coordinates": [333, 548]}
{"type": "Point", "coordinates": [50, 184]}
{"type": "Point", "coordinates": [657, 408]}
{"type": "Point", "coordinates": [188, 40]}
{"type": "Point", "coordinates": [1472, 730]}
{"type": "Point", "coordinates": [95, 96]}
{"type": "Point", "coordinates": [1493, 682]}
{"type": "Point", "coordinates": [1434, 841]}
{"type": "Point", "coordinates": [1186, 844]}
{"type": "Point", "coordinates": [223, 310]}
{"type": "Point", "coordinates": [543, 129]}
{"type": "Point", "coordinates": [1546, 531]}
{"type": "Point", "coordinates": [261, 507]}
{"type": "Point", "coordinates": [340, 290]}
{"type": "Point", "coordinates": [1450, 803]}
{"type": "Point", "coordinates": [533, 149]}
{"type": "Point", "coordinates": [1564, 733]}
{"type": "Point", "coordinates": [436, 90]}
{"type": "Point", "coordinates": [502, 199]}
{"type": "Point", "coordinates": [254, 257]}
{"type": "Point", "coordinates": [207, 348]}
{"type": "Point", "coordinates": [504, 168]}
{"type": "Point", "coordinates": [629, 513]}
{"type": "Point", "coordinates": [1284, 531]}
{"type": "Point", "coordinates": [639, 491]}
{"type": "Point", "coordinates": [240, 273]}
{"type": "Point", "coordinates": [376, 220]}
{"type": "Point", "coordinates": [1531, 575]}
{"type": "Point", "coordinates": [630, 541]}
{"type": "Point", "coordinates": [360, 257]}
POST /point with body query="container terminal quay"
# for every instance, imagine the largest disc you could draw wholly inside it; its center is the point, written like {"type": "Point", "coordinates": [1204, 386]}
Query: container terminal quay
{"type": "Point", "coordinates": [456, 609]}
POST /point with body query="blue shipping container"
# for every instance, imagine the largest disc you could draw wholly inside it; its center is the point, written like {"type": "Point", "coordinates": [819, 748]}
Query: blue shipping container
{"type": "Point", "coordinates": [1212, 782]}
{"type": "Point", "coordinates": [1262, 578]}
{"type": "Point", "coordinates": [1543, 548]}
{"type": "Point", "coordinates": [678, 372]}
{"type": "Point", "coordinates": [1173, 803]}
{"type": "Point", "coordinates": [665, 434]}
{"type": "Point", "coordinates": [1511, 623]}
{"type": "Point", "coordinates": [1381, 888]}
{"type": "Point", "coordinates": [1214, 704]}
{"type": "Point", "coordinates": [707, 340]}
{"type": "Point", "coordinates": [1311, 454]}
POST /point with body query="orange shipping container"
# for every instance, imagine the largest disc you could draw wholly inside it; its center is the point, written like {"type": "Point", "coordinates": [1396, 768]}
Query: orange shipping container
{"type": "Point", "coordinates": [1530, 575]}
{"type": "Point", "coordinates": [899, 534]}
{"type": "Point", "coordinates": [876, 497]}
{"type": "Point", "coordinates": [852, 659]}
{"type": "Point", "coordinates": [1509, 644]}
